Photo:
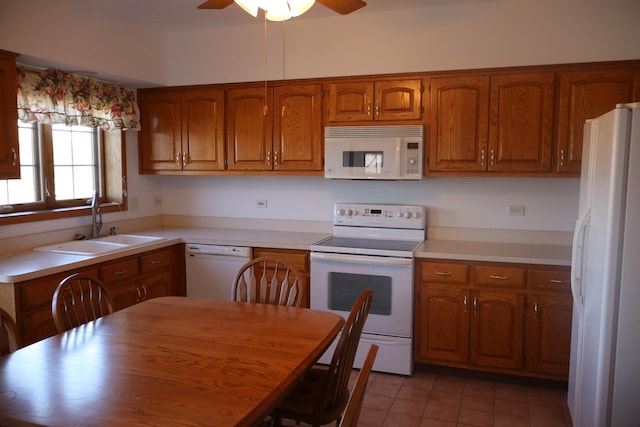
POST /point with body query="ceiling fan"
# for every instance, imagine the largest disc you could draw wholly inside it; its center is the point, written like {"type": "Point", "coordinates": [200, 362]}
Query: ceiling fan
{"type": "Point", "coordinates": [342, 7]}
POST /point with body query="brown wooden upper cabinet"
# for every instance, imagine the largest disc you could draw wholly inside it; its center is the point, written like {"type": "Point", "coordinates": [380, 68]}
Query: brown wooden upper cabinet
{"type": "Point", "coordinates": [384, 100]}
{"type": "Point", "coordinates": [586, 94]}
{"type": "Point", "coordinates": [182, 130]}
{"type": "Point", "coordinates": [499, 123]}
{"type": "Point", "coordinates": [9, 148]}
{"type": "Point", "coordinates": [279, 130]}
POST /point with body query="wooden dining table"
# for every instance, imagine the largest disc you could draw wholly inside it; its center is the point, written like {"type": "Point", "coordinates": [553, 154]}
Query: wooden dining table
{"type": "Point", "coordinates": [167, 361]}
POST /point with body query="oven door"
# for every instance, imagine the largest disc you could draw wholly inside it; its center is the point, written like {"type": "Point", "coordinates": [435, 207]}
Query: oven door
{"type": "Point", "coordinates": [338, 279]}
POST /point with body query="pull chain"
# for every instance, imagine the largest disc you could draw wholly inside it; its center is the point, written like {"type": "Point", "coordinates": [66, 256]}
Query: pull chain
{"type": "Point", "coordinates": [265, 109]}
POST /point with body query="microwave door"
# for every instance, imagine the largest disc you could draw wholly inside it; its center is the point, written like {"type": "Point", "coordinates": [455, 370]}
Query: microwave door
{"type": "Point", "coordinates": [362, 158]}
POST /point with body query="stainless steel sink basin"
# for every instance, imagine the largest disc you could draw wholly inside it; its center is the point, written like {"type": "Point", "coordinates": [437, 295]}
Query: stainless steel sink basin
{"type": "Point", "coordinates": [99, 246]}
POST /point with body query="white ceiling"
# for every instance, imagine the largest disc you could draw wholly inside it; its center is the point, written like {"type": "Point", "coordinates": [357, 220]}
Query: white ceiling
{"type": "Point", "coordinates": [183, 15]}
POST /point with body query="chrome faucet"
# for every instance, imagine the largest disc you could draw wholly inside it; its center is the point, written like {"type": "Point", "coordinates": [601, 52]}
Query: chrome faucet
{"type": "Point", "coordinates": [96, 216]}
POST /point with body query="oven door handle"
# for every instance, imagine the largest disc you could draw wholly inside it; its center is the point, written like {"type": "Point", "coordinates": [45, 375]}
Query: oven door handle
{"type": "Point", "coordinates": [360, 259]}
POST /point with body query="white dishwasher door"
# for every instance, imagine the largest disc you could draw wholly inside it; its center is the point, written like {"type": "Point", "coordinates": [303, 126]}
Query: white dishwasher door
{"type": "Point", "coordinates": [211, 269]}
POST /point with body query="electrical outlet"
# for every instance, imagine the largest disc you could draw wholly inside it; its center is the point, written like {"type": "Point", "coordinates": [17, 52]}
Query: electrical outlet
{"type": "Point", "coordinates": [260, 203]}
{"type": "Point", "coordinates": [516, 210]}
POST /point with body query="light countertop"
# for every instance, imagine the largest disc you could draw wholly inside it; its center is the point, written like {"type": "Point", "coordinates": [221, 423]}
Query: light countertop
{"type": "Point", "coordinates": [33, 264]}
{"type": "Point", "coordinates": [496, 252]}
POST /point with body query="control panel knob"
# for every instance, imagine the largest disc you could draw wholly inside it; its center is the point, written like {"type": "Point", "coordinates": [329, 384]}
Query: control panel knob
{"type": "Point", "coordinates": [356, 213]}
{"type": "Point", "coordinates": [350, 212]}
{"type": "Point", "coordinates": [408, 215]}
{"type": "Point", "coordinates": [418, 215]}
{"type": "Point", "coordinates": [400, 214]}
{"type": "Point", "coordinates": [341, 212]}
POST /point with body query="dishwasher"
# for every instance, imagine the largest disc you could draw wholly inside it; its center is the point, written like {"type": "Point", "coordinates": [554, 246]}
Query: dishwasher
{"type": "Point", "coordinates": [211, 269]}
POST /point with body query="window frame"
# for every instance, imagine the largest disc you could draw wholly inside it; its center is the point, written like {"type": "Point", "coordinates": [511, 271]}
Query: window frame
{"type": "Point", "coordinates": [113, 191]}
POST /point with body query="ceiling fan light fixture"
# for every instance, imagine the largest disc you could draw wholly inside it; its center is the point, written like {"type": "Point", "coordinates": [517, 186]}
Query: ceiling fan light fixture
{"type": "Point", "coordinates": [249, 6]}
{"type": "Point", "coordinates": [298, 7]}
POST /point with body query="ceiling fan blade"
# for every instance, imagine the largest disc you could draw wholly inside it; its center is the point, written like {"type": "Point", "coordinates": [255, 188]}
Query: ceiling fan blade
{"type": "Point", "coordinates": [215, 4]}
{"type": "Point", "coordinates": [343, 7]}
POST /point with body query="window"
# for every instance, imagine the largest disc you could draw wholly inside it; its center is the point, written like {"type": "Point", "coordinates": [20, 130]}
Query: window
{"type": "Point", "coordinates": [61, 166]}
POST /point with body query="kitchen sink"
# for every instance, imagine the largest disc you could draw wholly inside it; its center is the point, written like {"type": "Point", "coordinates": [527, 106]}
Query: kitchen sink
{"type": "Point", "coordinates": [99, 246]}
{"type": "Point", "coordinates": [129, 239]}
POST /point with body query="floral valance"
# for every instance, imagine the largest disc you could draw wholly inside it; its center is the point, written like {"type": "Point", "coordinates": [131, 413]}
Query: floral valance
{"type": "Point", "coordinates": [58, 97]}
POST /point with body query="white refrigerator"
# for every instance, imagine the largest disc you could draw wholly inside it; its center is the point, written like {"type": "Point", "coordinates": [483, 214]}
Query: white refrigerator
{"type": "Point", "coordinates": [604, 375]}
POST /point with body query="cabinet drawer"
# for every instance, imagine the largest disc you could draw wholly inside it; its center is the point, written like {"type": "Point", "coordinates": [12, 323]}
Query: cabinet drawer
{"type": "Point", "coordinates": [499, 276]}
{"type": "Point", "coordinates": [39, 292]}
{"type": "Point", "coordinates": [444, 273]}
{"type": "Point", "coordinates": [155, 261]}
{"type": "Point", "coordinates": [117, 271]}
{"type": "Point", "coordinates": [550, 280]}
{"type": "Point", "coordinates": [299, 259]}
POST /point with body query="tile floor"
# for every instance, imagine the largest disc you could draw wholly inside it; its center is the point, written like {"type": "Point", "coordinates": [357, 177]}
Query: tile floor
{"type": "Point", "coordinates": [456, 399]}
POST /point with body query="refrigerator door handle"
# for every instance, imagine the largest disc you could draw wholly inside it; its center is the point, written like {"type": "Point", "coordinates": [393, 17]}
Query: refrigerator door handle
{"type": "Point", "coordinates": [577, 259]}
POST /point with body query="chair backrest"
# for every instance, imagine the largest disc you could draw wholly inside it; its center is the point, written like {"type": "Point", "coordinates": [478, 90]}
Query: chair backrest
{"type": "Point", "coordinates": [352, 411]}
{"type": "Point", "coordinates": [268, 281]}
{"type": "Point", "coordinates": [10, 339]}
{"type": "Point", "coordinates": [342, 360]}
{"type": "Point", "coordinates": [79, 299]}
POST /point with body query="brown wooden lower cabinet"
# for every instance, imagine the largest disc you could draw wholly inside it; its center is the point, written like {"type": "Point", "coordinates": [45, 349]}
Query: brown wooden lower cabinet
{"type": "Point", "coordinates": [298, 258]}
{"type": "Point", "coordinates": [493, 317]}
{"type": "Point", "coordinates": [129, 280]}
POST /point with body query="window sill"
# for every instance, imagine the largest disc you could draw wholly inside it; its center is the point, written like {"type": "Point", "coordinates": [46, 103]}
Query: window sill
{"type": "Point", "coordinates": [33, 216]}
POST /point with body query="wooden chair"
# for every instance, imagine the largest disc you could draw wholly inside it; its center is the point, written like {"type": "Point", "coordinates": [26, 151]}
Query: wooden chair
{"type": "Point", "coordinates": [79, 299]}
{"type": "Point", "coordinates": [269, 281]}
{"type": "Point", "coordinates": [352, 412]}
{"type": "Point", "coordinates": [321, 396]}
{"type": "Point", "coordinates": [10, 339]}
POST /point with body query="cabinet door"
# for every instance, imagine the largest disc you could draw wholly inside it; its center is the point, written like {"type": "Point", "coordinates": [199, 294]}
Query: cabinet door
{"type": "Point", "coordinates": [458, 123]}
{"type": "Point", "coordinates": [37, 325]}
{"type": "Point", "coordinates": [350, 101]}
{"type": "Point", "coordinates": [157, 285]}
{"type": "Point", "coordinates": [203, 130]}
{"type": "Point", "coordinates": [587, 95]}
{"type": "Point", "coordinates": [297, 141]}
{"type": "Point", "coordinates": [160, 146]}
{"type": "Point", "coordinates": [521, 119]}
{"type": "Point", "coordinates": [398, 100]}
{"type": "Point", "coordinates": [549, 334]}
{"type": "Point", "coordinates": [9, 148]}
{"type": "Point", "coordinates": [249, 119]}
{"type": "Point", "coordinates": [124, 294]}
{"type": "Point", "coordinates": [299, 259]}
{"type": "Point", "coordinates": [442, 329]}
{"type": "Point", "coordinates": [497, 329]}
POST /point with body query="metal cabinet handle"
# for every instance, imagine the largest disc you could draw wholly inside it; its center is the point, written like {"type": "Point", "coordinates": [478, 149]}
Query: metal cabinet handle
{"type": "Point", "coordinates": [139, 297]}
{"type": "Point", "coordinates": [377, 108]}
{"type": "Point", "coordinates": [275, 158]}
{"type": "Point", "coordinates": [156, 262]}
{"type": "Point", "coordinates": [535, 310]}
{"type": "Point", "coordinates": [475, 305]}
{"type": "Point", "coordinates": [178, 160]}
{"type": "Point", "coordinates": [562, 157]}
{"type": "Point", "coordinates": [464, 302]}
{"type": "Point", "coordinates": [492, 159]}
{"type": "Point", "coordinates": [269, 158]}
{"type": "Point", "coordinates": [443, 273]}
{"type": "Point", "coordinates": [497, 277]}
{"type": "Point", "coordinates": [14, 154]}
{"type": "Point", "coordinates": [120, 273]}
{"type": "Point", "coordinates": [482, 157]}
{"type": "Point", "coordinates": [184, 159]}
{"type": "Point", "coordinates": [559, 282]}
{"type": "Point", "coordinates": [368, 107]}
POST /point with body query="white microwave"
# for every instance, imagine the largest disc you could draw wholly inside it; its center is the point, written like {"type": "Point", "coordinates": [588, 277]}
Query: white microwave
{"type": "Point", "coordinates": [373, 152]}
